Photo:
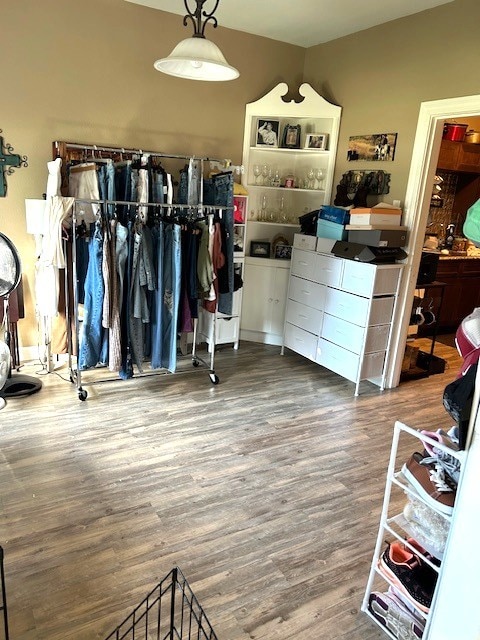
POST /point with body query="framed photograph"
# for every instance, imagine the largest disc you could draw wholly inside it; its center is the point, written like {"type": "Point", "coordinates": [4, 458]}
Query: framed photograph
{"type": "Point", "coordinates": [239, 210]}
{"type": "Point", "coordinates": [283, 252]}
{"type": "Point", "coordinates": [268, 132]}
{"type": "Point", "coordinates": [291, 136]}
{"type": "Point", "coordinates": [316, 141]}
{"type": "Point", "coordinates": [259, 249]}
{"type": "Point", "coordinates": [375, 146]}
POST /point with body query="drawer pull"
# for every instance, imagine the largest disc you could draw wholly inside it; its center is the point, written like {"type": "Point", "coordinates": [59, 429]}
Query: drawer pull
{"type": "Point", "coordinates": [306, 293]}
{"type": "Point", "coordinates": [301, 315]}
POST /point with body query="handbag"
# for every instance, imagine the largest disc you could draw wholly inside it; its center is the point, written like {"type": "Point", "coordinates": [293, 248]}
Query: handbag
{"type": "Point", "coordinates": [457, 400]}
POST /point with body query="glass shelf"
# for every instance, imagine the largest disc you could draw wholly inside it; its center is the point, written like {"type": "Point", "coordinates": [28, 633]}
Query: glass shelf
{"type": "Point", "coordinates": [321, 152]}
{"type": "Point", "coordinates": [286, 189]}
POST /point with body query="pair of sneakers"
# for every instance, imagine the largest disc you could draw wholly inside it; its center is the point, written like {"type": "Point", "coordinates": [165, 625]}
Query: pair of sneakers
{"type": "Point", "coordinates": [414, 578]}
{"type": "Point", "coordinates": [449, 463]}
{"type": "Point", "coordinates": [395, 615]}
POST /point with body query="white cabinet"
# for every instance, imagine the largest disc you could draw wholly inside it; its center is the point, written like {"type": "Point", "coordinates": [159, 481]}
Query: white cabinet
{"type": "Point", "coordinates": [284, 182]}
{"type": "Point", "coordinates": [339, 312]}
{"type": "Point", "coordinates": [264, 296]}
{"type": "Point", "coordinates": [399, 527]}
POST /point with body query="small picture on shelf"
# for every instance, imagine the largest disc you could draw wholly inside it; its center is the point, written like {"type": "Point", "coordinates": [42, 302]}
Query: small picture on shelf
{"type": "Point", "coordinates": [259, 249]}
{"type": "Point", "coordinates": [283, 252]}
{"type": "Point", "coordinates": [267, 133]}
{"type": "Point", "coordinates": [316, 141]}
{"type": "Point", "coordinates": [291, 136]}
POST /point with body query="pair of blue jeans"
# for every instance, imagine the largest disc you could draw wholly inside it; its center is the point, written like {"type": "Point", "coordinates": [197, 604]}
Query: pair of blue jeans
{"type": "Point", "coordinates": [167, 297]}
{"type": "Point", "coordinates": [218, 191]}
{"type": "Point", "coordinates": [93, 346]}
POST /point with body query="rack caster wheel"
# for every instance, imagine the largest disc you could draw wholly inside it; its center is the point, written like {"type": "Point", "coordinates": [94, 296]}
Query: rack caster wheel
{"type": "Point", "coordinates": [195, 363]}
{"type": "Point", "coordinates": [82, 395]}
{"type": "Point", "coordinates": [214, 379]}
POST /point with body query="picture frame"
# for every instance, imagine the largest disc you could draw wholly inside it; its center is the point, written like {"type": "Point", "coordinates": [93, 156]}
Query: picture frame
{"type": "Point", "coordinates": [316, 141]}
{"type": "Point", "coordinates": [373, 146]}
{"type": "Point", "coordinates": [239, 210]}
{"type": "Point", "coordinates": [291, 136]}
{"type": "Point", "coordinates": [268, 131]}
{"type": "Point", "coordinates": [283, 252]}
{"type": "Point", "coordinates": [259, 249]}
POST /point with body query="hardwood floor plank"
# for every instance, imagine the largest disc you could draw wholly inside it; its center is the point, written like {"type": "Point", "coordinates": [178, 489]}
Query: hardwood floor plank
{"type": "Point", "coordinates": [266, 490]}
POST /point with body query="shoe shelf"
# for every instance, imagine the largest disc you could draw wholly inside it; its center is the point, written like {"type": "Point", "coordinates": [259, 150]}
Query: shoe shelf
{"type": "Point", "coordinates": [397, 528]}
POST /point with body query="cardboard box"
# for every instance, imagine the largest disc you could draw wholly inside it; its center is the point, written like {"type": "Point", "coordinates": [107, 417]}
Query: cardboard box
{"type": "Point", "coordinates": [327, 229]}
{"type": "Point", "coordinates": [335, 214]}
{"type": "Point", "coordinates": [386, 219]}
{"type": "Point", "coordinates": [378, 237]}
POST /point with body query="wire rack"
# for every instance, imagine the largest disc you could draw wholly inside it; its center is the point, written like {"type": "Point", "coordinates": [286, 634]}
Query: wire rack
{"type": "Point", "coordinates": [169, 612]}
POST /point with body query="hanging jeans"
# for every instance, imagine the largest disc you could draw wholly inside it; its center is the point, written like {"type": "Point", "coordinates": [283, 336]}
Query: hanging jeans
{"type": "Point", "coordinates": [219, 191]}
{"type": "Point", "coordinates": [93, 345]}
{"type": "Point", "coordinates": [167, 298]}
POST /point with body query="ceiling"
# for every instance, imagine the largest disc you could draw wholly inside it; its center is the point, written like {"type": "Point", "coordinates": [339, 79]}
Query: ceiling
{"type": "Point", "coordinates": [305, 22]}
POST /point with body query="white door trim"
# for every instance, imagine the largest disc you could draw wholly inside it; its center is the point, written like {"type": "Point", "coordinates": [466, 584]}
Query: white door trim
{"type": "Point", "coordinates": [416, 208]}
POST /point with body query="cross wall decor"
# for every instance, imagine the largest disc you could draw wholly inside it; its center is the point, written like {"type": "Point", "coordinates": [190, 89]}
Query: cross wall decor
{"type": "Point", "coordinates": [8, 161]}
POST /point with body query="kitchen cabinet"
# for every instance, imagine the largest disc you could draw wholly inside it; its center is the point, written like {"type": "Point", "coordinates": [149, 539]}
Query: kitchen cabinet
{"type": "Point", "coordinates": [462, 290]}
{"type": "Point", "coordinates": [459, 156]}
{"type": "Point", "coordinates": [264, 297]}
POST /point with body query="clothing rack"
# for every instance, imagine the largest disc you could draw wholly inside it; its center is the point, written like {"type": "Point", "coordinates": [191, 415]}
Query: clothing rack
{"type": "Point", "coordinates": [73, 151]}
{"type": "Point", "coordinates": [75, 373]}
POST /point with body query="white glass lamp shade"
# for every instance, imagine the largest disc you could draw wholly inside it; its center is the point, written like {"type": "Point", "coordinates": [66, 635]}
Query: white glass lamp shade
{"type": "Point", "coordinates": [197, 59]}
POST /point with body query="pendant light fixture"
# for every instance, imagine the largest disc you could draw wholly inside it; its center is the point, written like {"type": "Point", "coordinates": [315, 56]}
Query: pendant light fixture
{"type": "Point", "coordinates": [197, 58]}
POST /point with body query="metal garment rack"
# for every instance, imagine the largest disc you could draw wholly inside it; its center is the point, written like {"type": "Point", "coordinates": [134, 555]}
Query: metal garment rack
{"type": "Point", "coordinates": [60, 149]}
{"type": "Point", "coordinates": [75, 373]}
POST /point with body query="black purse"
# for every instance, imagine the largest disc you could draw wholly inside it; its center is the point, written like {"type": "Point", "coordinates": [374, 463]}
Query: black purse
{"type": "Point", "coordinates": [457, 400]}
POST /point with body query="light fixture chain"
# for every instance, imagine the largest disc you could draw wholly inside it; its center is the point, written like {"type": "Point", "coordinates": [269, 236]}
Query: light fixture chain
{"type": "Point", "coordinates": [196, 17]}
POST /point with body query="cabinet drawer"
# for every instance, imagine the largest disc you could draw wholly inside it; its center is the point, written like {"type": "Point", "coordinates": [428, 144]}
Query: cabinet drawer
{"type": "Point", "coordinates": [300, 341]}
{"type": "Point", "coordinates": [306, 292]}
{"type": "Point", "coordinates": [328, 270]}
{"type": "Point", "coordinates": [304, 242]}
{"type": "Point", "coordinates": [303, 264]}
{"type": "Point", "coordinates": [304, 317]}
{"type": "Point", "coordinates": [369, 279]}
{"type": "Point", "coordinates": [351, 337]}
{"type": "Point", "coordinates": [355, 308]}
{"type": "Point", "coordinates": [227, 330]}
{"type": "Point", "coordinates": [347, 364]}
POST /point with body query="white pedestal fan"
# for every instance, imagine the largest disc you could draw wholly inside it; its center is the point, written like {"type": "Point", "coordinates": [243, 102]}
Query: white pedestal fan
{"type": "Point", "coordinates": [10, 272]}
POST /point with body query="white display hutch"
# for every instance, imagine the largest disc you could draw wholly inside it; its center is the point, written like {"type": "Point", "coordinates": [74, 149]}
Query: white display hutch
{"type": "Point", "coordinates": [274, 209]}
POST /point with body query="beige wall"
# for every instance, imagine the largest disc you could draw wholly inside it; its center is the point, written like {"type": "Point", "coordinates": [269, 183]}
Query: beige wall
{"type": "Point", "coordinates": [380, 77]}
{"type": "Point", "coordinates": [83, 71]}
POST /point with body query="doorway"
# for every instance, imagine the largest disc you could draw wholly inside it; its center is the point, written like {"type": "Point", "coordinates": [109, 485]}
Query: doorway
{"type": "Point", "coordinates": [417, 206]}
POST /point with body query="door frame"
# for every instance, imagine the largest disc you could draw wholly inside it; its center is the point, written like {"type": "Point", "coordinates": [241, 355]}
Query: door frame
{"type": "Point", "coordinates": [426, 148]}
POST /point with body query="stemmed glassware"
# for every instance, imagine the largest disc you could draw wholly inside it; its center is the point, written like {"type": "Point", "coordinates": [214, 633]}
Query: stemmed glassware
{"type": "Point", "coordinates": [310, 178]}
{"type": "Point", "coordinates": [257, 172]}
{"type": "Point", "coordinates": [265, 173]}
{"type": "Point", "coordinates": [318, 178]}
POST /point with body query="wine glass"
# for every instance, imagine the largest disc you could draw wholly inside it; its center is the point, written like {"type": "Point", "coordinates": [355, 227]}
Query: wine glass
{"type": "Point", "coordinates": [263, 209]}
{"type": "Point", "coordinates": [319, 177]}
{"type": "Point", "coordinates": [265, 172]}
{"type": "Point", "coordinates": [311, 178]}
{"type": "Point", "coordinates": [282, 214]}
{"type": "Point", "coordinates": [257, 172]}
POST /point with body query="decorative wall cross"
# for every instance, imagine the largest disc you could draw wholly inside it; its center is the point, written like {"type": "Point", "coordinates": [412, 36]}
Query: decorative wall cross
{"type": "Point", "coordinates": [8, 161]}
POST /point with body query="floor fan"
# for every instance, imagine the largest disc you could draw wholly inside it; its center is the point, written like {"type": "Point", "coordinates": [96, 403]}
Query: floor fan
{"type": "Point", "coordinates": [11, 385]}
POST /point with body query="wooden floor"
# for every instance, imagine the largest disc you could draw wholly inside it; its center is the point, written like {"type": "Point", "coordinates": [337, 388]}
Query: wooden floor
{"type": "Point", "coordinates": [265, 490]}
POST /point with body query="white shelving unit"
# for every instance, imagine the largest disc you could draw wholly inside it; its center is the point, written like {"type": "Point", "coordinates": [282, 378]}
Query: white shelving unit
{"type": "Point", "coordinates": [283, 204]}
{"type": "Point", "coordinates": [395, 526]}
